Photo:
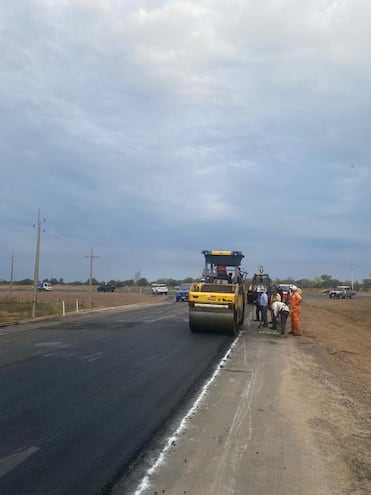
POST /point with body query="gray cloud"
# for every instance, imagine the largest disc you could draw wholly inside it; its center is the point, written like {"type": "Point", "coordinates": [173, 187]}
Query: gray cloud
{"type": "Point", "coordinates": [152, 132]}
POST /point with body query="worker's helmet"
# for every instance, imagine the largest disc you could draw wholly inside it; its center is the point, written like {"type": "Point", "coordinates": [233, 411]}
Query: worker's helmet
{"type": "Point", "coordinates": [293, 287]}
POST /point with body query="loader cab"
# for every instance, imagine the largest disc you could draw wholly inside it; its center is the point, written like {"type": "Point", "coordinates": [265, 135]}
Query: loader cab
{"type": "Point", "coordinates": [260, 282]}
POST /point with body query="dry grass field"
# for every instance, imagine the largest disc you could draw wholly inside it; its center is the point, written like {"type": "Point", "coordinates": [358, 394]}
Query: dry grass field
{"type": "Point", "coordinates": [16, 306]}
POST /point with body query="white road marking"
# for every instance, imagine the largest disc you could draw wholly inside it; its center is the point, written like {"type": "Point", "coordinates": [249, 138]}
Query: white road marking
{"type": "Point", "coordinates": [9, 463]}
{"type": "Point", "coordinates": [159, 319]}
{"type": "Point", "coordinates": [52, 343]}
{"type": "Point", "coordinates": [145, 482]}
{"type": "Point", "coordinates": [149, 321]}
{"type": "Point", "coordinates": [93, 357]}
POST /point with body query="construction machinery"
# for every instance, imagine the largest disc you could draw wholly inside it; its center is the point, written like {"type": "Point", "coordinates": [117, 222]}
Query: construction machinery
{"type": "Point", "coordinates": [260, 282]}
{"type": "Point", "coordinates": [217, 302]}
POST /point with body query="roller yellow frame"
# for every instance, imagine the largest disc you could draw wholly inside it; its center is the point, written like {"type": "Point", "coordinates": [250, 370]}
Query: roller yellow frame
{"type": "Point", "coordinates": [217, 302]}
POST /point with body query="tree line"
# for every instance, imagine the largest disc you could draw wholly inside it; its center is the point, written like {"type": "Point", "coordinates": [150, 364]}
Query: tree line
{"type": "Point", "coordinates": [318, 282]}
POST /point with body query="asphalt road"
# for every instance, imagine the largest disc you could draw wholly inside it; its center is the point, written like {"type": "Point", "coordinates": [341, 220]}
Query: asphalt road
{"type": "Point", "coordinates": [80, 398]}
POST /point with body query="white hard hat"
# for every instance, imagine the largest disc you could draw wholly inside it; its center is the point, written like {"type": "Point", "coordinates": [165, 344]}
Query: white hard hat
{"type": "Point", "coordinates": [293, 287]}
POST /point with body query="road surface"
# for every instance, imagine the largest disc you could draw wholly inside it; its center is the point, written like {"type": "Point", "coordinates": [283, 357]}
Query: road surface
{"type": "Point", "coordinates": [81, 397]}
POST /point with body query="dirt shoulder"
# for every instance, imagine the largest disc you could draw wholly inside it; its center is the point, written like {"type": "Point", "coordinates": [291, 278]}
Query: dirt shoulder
{"type": "Point", "coordinates": [331, 375]}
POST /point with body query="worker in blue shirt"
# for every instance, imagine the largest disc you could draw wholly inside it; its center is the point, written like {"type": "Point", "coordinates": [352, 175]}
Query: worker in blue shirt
{"type": "Point", "coordinates": [263, 303]}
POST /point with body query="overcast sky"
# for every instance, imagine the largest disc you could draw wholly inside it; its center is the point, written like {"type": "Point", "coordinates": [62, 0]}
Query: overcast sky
{"type": "Point", "coordinates": [151, 130]}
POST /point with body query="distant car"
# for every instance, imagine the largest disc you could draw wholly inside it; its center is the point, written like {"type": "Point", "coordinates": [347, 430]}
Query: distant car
{"type": "Point", "coordinates": [46, 286]}
{"type": "Point", "coordinates": [106, 288]}
{"type": "Point", "coordinates": [159, 290]}
{"type": "Point", "coordinates": [342, 292]}
{"type": "Point", "coordinates": [182, 292]}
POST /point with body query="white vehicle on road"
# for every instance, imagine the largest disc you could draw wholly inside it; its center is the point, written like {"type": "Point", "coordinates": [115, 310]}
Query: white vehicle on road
{"type": "Point", "coordinates": [159, 289]}
{"type": "Point", "coordinates": [342, 292]}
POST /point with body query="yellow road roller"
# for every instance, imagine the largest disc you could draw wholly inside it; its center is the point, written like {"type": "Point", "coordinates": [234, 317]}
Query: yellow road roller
{"type": "Point", "coordinates": [217, 302]}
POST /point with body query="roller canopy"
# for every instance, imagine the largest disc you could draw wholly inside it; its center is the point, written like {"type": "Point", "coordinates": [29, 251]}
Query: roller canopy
{"type": "Point", "coordinates": [227, 258]}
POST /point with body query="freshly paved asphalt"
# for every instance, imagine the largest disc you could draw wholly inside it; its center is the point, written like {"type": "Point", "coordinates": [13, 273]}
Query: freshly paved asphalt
{"type": "Point", "coordinates": [80, 398]}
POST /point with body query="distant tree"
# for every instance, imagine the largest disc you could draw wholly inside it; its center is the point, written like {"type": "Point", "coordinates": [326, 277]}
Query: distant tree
{"type": "Point", "coordinates": [305, 283]}
{"type": "Point", "coordinates": [26, 281]}
{"type": "Point", "coordinates": [117, 283]}
{"type": "Point", "coordinates": [326, 281]}
{"type": "Point", "coordinates": [142, 282]}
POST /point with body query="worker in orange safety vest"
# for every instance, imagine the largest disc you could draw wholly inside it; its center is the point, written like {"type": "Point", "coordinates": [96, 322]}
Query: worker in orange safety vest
{"type": "Point", "coordinates": [295, 310]}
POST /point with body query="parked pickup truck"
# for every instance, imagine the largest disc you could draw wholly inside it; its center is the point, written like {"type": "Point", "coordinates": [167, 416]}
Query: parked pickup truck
{"type": "Point", "coordinates": [159, 289]}
{"type": "Point", "coordinates": [342, 292]}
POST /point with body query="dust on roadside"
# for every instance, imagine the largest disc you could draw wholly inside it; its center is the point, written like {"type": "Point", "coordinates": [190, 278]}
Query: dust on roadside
{"type": "Point", "coordinates": [331, 372]}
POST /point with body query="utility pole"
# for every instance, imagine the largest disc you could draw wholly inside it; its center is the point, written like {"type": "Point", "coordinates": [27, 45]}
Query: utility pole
{"type": "Point", "coordinates": [36, 271]}
{"type": "Point", "coordinates": [11, 274]}
{"type": "Point", "coordinates": [92, 257]}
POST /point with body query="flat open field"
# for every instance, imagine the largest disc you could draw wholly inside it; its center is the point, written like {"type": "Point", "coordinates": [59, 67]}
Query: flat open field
{"type": "Point", "coordinates": [17, 306]}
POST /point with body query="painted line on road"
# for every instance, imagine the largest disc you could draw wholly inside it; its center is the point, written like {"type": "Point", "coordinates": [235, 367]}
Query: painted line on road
{"type": "Point", "coordinates": [10, 462]}
{"type": "Point", "coordinates": [148, 321]}
{"type": "Point", "coordinates": [145, 482]}
{"type": "Point", "coordinates": [93, 357]}
{"type": "Point", "coordinates": [169, 317]}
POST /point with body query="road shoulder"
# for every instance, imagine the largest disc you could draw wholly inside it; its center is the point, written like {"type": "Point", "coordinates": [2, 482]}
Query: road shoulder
{"type": "Point", "coordinates": [260, 429]}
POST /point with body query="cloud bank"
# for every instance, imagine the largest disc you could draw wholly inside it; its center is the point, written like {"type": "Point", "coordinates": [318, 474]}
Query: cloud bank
{"type": "Point", "coordinates": [151, 132]}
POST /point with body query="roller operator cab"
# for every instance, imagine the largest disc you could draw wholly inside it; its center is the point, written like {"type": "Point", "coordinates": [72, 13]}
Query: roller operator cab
{"type": "Point", "coordinates": [217, 303]}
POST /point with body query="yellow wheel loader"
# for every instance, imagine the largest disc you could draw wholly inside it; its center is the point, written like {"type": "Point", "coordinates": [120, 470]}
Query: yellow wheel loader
{"type": "Point", "coordinates": [217, 302]}
{"type": "Point", "coordinates": [260, 282]}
